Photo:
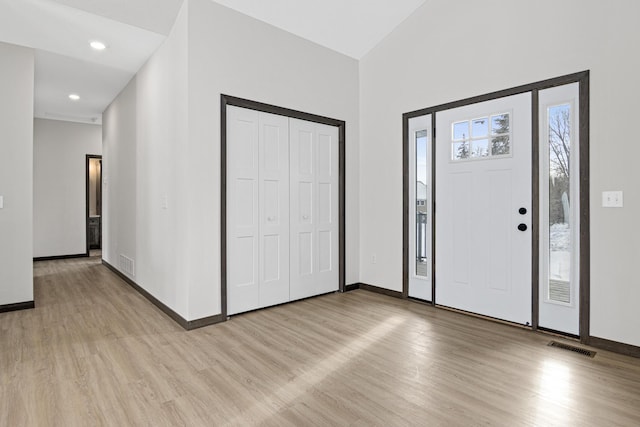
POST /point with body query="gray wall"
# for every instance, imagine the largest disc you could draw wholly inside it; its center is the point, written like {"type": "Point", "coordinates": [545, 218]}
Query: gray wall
{"type": "Point", "coordinates": [16, 174]}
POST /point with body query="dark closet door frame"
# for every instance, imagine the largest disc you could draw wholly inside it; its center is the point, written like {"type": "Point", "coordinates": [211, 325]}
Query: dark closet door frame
{"type": "Point", "coordinates": [88, 158]}
{"type": "Point", "coordinates": [582, 78]}
{"type": "Point", "coordinates": [227, 100]}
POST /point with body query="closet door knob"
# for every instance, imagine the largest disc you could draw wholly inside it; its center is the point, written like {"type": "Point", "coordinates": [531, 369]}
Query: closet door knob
{"type": "Point", "coordinates": [522, 227]}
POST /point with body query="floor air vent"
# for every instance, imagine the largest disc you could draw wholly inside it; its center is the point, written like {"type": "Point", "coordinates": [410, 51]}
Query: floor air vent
{"type": "Point", "coordinates": [578, 350]}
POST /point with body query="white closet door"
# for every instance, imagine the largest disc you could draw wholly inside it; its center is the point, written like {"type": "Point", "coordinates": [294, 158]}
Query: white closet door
{"type": "Point", "coordinates": [314, 208]}
{"type": "Point", "coordinates": [243, 293]}
{"type": "Point", "coordinates": [257, 210]}
{"type": "Point", "coordinates": [274, 209]}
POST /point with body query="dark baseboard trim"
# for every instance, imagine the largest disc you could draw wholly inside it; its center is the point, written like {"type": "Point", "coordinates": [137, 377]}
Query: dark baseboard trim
{"type": "Point", "coordinates": [205, 321]}
{"type": "Point", "coordinates": [614, 346]}
{"type": "Point", "coordinates": [352, 287]}
{"type": "Point", "coordinates": [379, 290]}
{"type": "Point", "coordinates": [186, 324]}
{"type": "Point", "coordinates": [17, 306]}
{"type": "Point", "coordinates": [56, 257]}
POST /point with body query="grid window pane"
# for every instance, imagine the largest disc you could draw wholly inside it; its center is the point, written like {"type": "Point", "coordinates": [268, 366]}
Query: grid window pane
{"type": "Point", "coordinates": [480, 127]}
{"type": "Point", "coordinates": [460, 131]}
{"type": "Point", "coordinates": [480, 148]}
{"type": "Point", "coordinates": [460, 150]}
{"type": "Point", "coordinates": [500, 124]}
{"type": "Point", "coordinates": [500, 145]}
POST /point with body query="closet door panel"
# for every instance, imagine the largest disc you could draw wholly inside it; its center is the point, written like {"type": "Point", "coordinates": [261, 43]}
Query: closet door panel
{"type": "Point", "coordinates": [302, 258]}
{"type": "Point", "coordinates": [314, 209]}
{"type": "Point", "coordinates": [274, 209]}
{"type": "Point", "coordinates": [242, 210]}
{"type": "Point", "coordinates": [327, 225]}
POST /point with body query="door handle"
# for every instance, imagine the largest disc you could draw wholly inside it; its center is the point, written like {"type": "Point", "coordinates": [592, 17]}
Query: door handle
{"type": "Point", "coordinates": [522, 211]}
{"type": "Point", "coordinates": [305, 216]}
{"type": "Point", "coordinates": [522, 227]}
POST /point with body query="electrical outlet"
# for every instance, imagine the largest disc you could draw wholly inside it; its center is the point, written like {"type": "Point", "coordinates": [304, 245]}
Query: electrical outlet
{"type": "Point", "coordinates": [373, 259]}
{"type": "Point", "coordinates": [612, 199]}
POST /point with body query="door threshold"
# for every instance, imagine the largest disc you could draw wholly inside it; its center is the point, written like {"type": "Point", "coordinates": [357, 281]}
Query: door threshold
{"type": "Point", "coordinates": [483, 317]}
{"type": "Point", "coordinates": [558, 334]}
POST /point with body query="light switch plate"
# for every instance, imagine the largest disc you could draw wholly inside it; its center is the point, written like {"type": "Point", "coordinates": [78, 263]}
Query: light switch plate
{"type": "Point", "coordinates": [1, 202]}
{"type": "Point", "coordinates": [612, 199]}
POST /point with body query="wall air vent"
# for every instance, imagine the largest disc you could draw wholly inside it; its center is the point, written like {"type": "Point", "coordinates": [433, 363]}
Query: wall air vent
{"type": "Point", "coordinates": [127, 265]}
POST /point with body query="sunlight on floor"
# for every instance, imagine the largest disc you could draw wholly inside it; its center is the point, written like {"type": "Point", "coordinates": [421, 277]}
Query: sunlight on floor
{"type": "Point", "coordinates": [320, 370]}
{"type": "Point", "coordinates": [554, 393]}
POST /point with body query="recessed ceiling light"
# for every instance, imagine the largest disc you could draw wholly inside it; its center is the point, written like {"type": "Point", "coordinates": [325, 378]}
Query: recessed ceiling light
{"type": "Point", "coordinates": [74, 97]}
{"type": "Point", "coordinates": [98, 45]}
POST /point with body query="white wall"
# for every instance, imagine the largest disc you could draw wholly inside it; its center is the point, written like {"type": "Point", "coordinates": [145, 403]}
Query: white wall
{"type": "Point", "coordinates": [16, 174]}
{"type": "Point", "coordinates": [162, 172]}
{"type": "Point", "coordinates": [176, 134]}
{"type": "Point", "coordinates": [453, 50]}
{"type": "Point", "coordinates": [236, 55]}
{"type": "Point", "coordinates": [59, 193]}
{"type": "Point", "coordinates": [144, 200]}
{"type": "Point", "coordinates": [119, 177]}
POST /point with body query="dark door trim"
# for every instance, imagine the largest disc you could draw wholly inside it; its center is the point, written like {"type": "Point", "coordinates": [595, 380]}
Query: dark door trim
{"type": "Point", "coordinates": [582, 78]}
{"type": "Point", "coordinates": [226, 100]}
{"type": "Point", "coordinates": [88, 158]}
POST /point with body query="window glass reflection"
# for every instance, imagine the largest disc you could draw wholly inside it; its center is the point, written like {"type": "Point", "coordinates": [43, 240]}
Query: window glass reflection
{"type": "Point", "coordinates": [421, 203]}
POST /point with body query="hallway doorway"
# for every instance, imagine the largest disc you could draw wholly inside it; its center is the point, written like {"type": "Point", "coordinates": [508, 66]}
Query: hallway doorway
{"type": "Point", "coordinates": [94, 204]}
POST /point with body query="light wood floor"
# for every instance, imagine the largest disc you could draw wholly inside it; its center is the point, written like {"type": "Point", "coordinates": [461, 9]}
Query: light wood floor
{"type": "Point", "coordinates": [94, 352]}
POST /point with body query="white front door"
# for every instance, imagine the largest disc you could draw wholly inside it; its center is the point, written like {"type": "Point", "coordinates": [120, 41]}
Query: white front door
{"type": "Point", "coordinates": [483, 208]}
{"type": "Point", "coordinates": [314, 208]}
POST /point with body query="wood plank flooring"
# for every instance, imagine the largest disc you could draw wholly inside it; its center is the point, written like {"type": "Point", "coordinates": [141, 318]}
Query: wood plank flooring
{"type": "Point", "coordinates": [94, 352]}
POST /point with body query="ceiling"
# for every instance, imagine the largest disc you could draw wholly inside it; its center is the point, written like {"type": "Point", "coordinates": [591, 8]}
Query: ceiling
{"type": "Point", "coordinates": [351, 27]}
{"type": "Point", "coordinates": [60, 32]}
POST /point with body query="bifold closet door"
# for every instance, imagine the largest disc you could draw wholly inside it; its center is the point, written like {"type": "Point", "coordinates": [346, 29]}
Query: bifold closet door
{"type": "Point", "coordinates": [314, 208]}
{"type": "Point", "coordinates": [257, 210]}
